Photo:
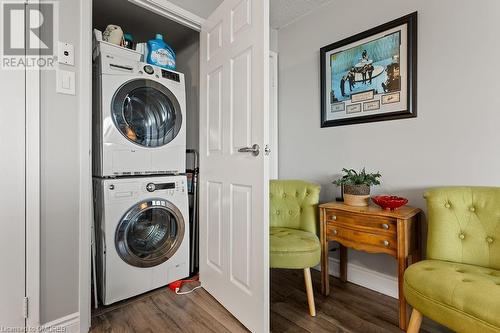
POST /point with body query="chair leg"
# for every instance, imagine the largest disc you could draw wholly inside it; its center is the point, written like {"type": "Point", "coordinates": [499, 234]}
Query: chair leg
{"type": "Point", "coordinates": [309, 290]}
{"type": "Point", "coordinates": [415, 321]}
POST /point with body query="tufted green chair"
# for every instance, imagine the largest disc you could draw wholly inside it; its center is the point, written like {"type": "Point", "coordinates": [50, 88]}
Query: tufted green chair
{"type": "Point", "coordinates": [293, 228]}
{"type": "Point", "coordinates": [459, 285]}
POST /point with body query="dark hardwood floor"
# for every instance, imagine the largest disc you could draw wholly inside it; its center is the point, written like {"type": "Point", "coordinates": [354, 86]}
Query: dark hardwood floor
{"type": "Point", "coordinates": [164, 311]}
{"type": "Point", "coordinates": [349, 308]}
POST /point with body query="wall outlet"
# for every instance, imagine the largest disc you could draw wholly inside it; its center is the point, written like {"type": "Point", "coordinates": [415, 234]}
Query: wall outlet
{"type": "Point", "coordinates": [65, 53]}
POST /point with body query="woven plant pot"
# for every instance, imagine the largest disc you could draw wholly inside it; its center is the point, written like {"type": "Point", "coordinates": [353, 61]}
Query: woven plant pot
{"type": "Point", "coordinates": [357, 195]}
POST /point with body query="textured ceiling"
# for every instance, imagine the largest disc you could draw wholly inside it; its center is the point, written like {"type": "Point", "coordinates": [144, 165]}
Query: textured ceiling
{"type": "Point", "coordinates": [284, 12]}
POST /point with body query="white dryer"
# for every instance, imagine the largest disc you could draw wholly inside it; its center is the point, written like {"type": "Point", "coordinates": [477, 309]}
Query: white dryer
{"type": "Point", "coordinates": [139, 118]}
{"type": "Point", "coordinates": [142, 234]}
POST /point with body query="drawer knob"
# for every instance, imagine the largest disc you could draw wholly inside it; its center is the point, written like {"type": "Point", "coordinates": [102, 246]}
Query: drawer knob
{"type": "Point", "coordinates": [385, 226]}
{"type": "Point", "coordinates": [386, 243]}
{"type": "Point", "coordinates": [334, 218]}
{"type": "Point", "coordinates": [335, 231]}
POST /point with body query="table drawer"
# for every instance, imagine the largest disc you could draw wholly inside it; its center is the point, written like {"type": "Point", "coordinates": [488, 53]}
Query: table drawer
{"type": "Point", "coordinates": [380, 225]}
{"type": "Point", "coordinates": [363, 241]}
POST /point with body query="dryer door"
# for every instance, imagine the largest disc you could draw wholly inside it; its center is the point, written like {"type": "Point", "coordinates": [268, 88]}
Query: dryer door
{"type": "Point", "coordinates": [149, 233]}
{"type": "Point", "coordinates": [146, 113]}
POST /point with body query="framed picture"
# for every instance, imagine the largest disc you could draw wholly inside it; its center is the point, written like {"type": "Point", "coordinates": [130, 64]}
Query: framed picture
{"type": "Point", "coordinates": [371, 76]}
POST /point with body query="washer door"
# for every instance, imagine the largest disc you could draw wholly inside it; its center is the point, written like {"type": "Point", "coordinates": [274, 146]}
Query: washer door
{"type": "Point", "coordinates": [149, 233]}
{"type": "Point", "coordinates": [146, 113]}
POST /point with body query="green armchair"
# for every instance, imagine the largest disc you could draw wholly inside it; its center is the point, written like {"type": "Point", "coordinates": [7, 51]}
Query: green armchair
{"type": "Point", "coordinates": [293, 229]}
{"type": "Point", "coordinates": [459, 285]}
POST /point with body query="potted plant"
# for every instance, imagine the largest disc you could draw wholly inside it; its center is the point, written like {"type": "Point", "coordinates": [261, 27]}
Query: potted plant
{"type": "Point", "coordinates": [356, 186]}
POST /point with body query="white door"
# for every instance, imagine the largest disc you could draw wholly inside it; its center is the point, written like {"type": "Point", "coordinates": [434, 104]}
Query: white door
{"type": "Point", "coordinates": [273, 115]}
{"type": "Point", "coordinates": [12, 197]}
{"type": "Point", "coordinates": [234, 226]}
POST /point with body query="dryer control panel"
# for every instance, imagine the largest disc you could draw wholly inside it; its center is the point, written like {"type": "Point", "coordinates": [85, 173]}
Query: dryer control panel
{"type": "Point", "coordinates": [170, 75]}
{"type": "Point", "coordinates": [109, 64]}
{"type": "Point", "coordinates": [170, 187]}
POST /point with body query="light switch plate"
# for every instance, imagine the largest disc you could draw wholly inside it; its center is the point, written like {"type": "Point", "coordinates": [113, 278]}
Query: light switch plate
{"type": "Point", "coordinates": [65, 53]}
{"type": "Point", "coordinates": [65, 82]}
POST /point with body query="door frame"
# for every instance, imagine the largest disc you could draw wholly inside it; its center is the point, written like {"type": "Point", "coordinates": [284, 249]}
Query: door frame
{"type": "Point", "coordinates": [33, 177]}
{"type": "Point", "coordinates": [85, 138]}
{"type": "Point", "coordinates": [32, 192]}
{"type": "Point", "coordinates": [173, 12]}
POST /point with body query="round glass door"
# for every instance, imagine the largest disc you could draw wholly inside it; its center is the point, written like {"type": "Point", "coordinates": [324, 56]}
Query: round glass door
{"type": "Point", "coordinates": [146, 113]}
{"type": "Point", "coordinates": [149, 233]}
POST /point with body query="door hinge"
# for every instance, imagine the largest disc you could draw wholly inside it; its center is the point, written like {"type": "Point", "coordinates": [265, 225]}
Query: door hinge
{"type": "Point", "coordinates": [25, 307]}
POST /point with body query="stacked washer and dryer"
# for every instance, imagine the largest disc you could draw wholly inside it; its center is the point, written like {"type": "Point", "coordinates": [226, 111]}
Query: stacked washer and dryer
{"type": "Point", "coordinates": [140, 188]}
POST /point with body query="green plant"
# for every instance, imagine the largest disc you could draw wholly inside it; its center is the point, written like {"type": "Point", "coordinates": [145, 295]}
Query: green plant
{"type": "Point", "coordinates": [351, 177]}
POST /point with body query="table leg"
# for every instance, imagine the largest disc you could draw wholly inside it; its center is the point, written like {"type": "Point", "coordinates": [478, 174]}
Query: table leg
{"type": "Point", "coordinates": [325, 277]}
{"type": "Point", "coordinates": [402, 265]}
{"type": "Point", "coordinates": [343, 263]}
{"type": "Point", "coordinates": [403, 319]}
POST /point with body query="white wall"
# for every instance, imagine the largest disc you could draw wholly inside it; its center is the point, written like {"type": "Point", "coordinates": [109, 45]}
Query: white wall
{"type": "Point", "coordinates": [273, 39]}
{"type": "Point", "coordinates": [60, 182]}
{"type": "Point", "coordinates": [455, 138]}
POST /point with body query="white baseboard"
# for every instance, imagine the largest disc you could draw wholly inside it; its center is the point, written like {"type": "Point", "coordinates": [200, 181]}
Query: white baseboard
{"type": "Point", "coordinates": [382, 283]}
{"type": "Point", "coordinates": [67, 324]}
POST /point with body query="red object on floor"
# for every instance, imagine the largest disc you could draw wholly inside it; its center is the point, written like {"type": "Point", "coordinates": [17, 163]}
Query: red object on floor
{"type": "Point", "coordinates": [389, 202]}
{"type": "Point", "coordinates": [176, 285]}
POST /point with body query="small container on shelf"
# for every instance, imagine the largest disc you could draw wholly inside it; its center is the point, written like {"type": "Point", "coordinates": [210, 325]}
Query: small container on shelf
{"type": "Point", "coordinates": [160, 53]}
{"type": "Point", "coordinates": [118, 51]}
{"type": "Point", "coordinates": [128, 41]}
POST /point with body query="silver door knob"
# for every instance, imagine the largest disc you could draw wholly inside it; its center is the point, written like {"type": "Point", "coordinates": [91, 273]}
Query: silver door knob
{"type": "Point", "coordinates": [386, 243]}
{"type": "Point", "coordinates": [385, 226]}
{"type": "Point", "coordinates": [255, 150]}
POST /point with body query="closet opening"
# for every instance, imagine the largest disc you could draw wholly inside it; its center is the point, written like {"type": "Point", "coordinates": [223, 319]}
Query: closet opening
{"type": "Point", "coordinates": [145, 160]}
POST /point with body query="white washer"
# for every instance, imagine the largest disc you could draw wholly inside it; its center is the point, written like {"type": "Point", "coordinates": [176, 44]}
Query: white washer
{"type": "Point", "coordinates": [142, 234]}
{"type": "Point", "coordinates": [139, 118]}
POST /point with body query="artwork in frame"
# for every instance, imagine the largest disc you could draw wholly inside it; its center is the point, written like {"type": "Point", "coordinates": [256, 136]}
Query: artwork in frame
{"type": "Point", "coordinates": [371, 76]}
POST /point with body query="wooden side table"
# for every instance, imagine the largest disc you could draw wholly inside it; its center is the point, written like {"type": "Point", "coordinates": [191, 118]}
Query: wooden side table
{"type": "Point", "coordinates": [371, 229]}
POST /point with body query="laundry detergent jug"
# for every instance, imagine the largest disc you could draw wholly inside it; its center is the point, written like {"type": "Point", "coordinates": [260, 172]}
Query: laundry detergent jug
{"type": "Point", "coordinates": [160, 54]}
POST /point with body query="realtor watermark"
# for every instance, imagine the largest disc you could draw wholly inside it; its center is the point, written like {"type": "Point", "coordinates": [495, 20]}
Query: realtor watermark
{"type": "Point", "coordinates": [41, 329]}
{"type": "Point", "coordinates": [29, 34]}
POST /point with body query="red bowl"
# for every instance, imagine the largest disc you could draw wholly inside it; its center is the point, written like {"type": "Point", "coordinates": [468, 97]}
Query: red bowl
{"type": "Point", "coordinates": [389, 202]}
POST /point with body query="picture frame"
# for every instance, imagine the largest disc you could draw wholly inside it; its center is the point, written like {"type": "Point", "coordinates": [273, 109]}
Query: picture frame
{"type": "Point", "coordinates": [375, 69]}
